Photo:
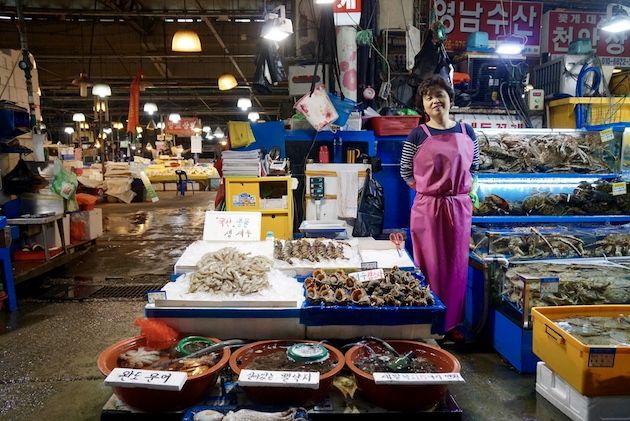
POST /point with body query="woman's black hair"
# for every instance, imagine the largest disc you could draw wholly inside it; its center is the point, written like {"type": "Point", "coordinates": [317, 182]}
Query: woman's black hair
{"type": "Point", "coordinates": [431, 84]}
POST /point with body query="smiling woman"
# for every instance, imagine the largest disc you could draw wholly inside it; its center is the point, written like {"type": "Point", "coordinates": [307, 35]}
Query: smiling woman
{"type": "Point", "coordinates": [438, 161]}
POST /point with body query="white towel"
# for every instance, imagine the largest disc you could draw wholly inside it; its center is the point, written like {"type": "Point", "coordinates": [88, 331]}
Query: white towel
{"type": "Point", "coordinates": [347, 192]}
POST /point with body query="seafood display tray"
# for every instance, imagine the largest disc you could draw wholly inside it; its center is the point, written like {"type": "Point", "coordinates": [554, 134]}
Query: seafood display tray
{"type": "Point", "coordinates": [575, 405]}
{"type": "Point", "coordinates": [246, 323]}
{"type": "Point", "coordinates": [590, 370]}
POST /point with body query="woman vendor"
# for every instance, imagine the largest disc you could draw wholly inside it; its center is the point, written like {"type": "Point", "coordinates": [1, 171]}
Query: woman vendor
{"type": "Point", "coordinates": [439, 159]}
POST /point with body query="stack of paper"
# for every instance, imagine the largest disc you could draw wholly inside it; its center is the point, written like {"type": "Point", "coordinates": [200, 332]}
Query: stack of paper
{"type": "Point", "coordinates": [241, 163]}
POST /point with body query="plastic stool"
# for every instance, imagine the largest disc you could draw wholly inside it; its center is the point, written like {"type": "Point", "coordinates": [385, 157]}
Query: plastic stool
{"type": "Point", "coordinates": [9, 285]}
{"type": "Point", "coordinates": [182, 181]}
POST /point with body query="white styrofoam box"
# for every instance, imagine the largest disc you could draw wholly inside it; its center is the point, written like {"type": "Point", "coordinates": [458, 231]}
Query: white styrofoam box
{"type": "Point", "coordinates": [66, 232]}
{"type": "Point", "coordinates": [231, 323]}
{"type": "Point", "coordinates": [575, 405]}
{"type": "Point", "coordinates": [95, 223]}
{"type": "Point", "coordinates": [380, 331]}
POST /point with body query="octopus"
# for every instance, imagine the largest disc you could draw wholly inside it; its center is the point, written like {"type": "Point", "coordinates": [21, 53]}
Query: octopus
{"type": "Point", "coordinates": [230, 271]}
{"type": "Point", "coordinates": [138, 358]}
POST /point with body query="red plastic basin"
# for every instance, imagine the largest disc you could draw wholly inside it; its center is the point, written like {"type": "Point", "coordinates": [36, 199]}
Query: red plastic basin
{"type": "Point", "coordinates": [244, 356]}
{"type": "Point", "coordinates": [153, 400]}
{"type": "Point", "coordinates": [399, 397]}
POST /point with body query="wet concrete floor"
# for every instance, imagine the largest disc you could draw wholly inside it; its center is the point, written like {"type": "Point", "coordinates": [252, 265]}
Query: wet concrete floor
{"type": "Point", "coordinates": [48, 350]}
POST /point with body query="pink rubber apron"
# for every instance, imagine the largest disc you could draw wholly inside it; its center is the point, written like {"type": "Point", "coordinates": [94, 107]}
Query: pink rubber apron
{"type": "Point", "coordinates": [441, 217]}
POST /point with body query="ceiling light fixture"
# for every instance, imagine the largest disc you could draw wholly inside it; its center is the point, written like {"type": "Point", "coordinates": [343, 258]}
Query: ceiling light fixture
{"type": "Point", "coordinates": [206, 129]}
{"type": "Point", "coordinates": [253, 116]}
{"type": "Point", "coordinates": [78, 117]}
{"type": "Point", "coordinates": [617, 18]}
{"type": "Point", "coordinates": [510, 45]}
{"type": "Point", "coordinates": [209, 136]}
{"type": "Point", "coordinates": [277, 27]}
{"type": "Point", "coordinates": [150, 108]}
{"type": "Point", "coordinates": [83, 81]}
{"type": "Point", "coordinates": [68, 130]}
{"type": "Point", "coordinates": [174, 118]}
{"type": "Point", "coordinates": [218, 133]}
{"type": "Point", "coordinates": [197, 126]}
{"type": "Point", "coordinates": [186, 41]}
{"type": "Point", "coordinates": [101, 90]}
{"type": "Point", "coordinates": [227, 81]}
{"type": "Point", "coordinates": [107, 130]}
{"type": "Point", "coordinates": [244, 104]}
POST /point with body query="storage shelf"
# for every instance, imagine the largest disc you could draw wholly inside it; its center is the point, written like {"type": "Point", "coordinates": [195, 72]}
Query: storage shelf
{"type": "Point", "coordinates": [544, 219]}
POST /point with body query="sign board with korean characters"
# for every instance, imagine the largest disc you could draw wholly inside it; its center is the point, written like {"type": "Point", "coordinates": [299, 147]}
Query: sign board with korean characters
{"type": "Point", "coordinates": [347, 12]}
{"type": "Point", "coordinates": [269, 378]}
{"type": "Point", "coordinates": [232, 226]}
{"type": "Point", "coordinates": [560, 28]}
{"type": "Point", "coordinates": [148, 379]}
{"type": "Point", "coordinates": [184, 127]}
{"type": "Point", "coordinates": [496, 18]}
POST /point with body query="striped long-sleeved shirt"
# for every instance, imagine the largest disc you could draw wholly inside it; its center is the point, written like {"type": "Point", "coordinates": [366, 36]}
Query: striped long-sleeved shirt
{"type": "Point", "coordinates": [417, 136]}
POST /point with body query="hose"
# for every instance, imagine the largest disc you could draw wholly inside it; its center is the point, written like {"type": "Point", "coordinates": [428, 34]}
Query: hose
{"type": "Point", "coordinates": [580, 109]}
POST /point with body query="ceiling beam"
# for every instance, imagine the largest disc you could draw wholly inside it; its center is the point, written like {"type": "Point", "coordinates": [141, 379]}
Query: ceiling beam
{"type": "Point", "coordinates": [171, 13]}
{"type": "Point", "coordinates": [63, 57]}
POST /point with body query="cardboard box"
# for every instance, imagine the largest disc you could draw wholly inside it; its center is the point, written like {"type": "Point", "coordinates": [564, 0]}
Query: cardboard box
{"type": "Point", "coordinates": [95, 223]}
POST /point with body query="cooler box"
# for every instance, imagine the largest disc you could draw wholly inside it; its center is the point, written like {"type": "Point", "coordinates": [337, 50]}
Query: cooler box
{"type": "Point", "coordinates": [591, 370]}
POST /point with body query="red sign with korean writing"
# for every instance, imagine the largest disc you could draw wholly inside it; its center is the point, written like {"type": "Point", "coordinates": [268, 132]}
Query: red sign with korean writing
{"type": "Point", "coordinates": [183, 127]}
{"type": "Point", "coordinates": [498, 19]}
{"type": "Point", "coordinates": [562, 27]}
{"type": "Point", "coordinates": [340, 6]}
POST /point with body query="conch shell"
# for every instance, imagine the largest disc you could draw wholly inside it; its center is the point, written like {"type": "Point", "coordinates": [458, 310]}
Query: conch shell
{"type": "Point", "coordinates": [360, 297]}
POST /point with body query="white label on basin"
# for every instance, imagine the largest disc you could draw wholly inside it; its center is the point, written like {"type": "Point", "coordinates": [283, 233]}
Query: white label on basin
{"type": "Point", "coordinates": [268, 378]}
{"type": "Point", "coordinates": [417, 378]}
{"type": "Point", "coordinates": [149, 379]}
{"type": "Point", "coordinates": [368, 275]}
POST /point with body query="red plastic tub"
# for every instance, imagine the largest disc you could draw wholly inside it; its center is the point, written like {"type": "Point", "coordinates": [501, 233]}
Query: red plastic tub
{"type": "Point", "coordinates": [153, 400]}
{"type": "Point", "coordinates": [243, 356]}
{"type": "Point", "coordinates": [396, 397]}
{"type": "Point", "coordinates": [394, 125]}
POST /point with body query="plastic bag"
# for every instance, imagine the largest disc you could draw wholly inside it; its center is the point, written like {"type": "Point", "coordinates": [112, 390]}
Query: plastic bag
{"type": "Point", "coordinates": [65, 185]}
{"type": "Point", "coordinates": [371, 211]}
{"type": "Point", "coordinates": [317, 108]}
{"type": "Point", "coordinates": [22, 180]}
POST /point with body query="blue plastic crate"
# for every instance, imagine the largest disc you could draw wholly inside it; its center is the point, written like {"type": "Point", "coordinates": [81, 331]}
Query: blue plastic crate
{"type": "Point", "coordinates": [514, 343]}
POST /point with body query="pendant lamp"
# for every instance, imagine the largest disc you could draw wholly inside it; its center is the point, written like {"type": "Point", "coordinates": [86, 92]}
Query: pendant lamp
{"type": "Point", "coordinates": [68, 130]}
{"type": "Point", "coordinates": [227, 81]}
{"type": "Point", "coordinates": [174, 118]}
{"type": "Point", "coordinates": [186, 41]}
{"type": "Point", "coordinates": [253, 116]}
{"type": "Point", "coordinates": [78, 117]}
{"type": "Point", "coordinates": [218, 133]}
{"type": "Point", "coordinates": [101, 90]}
{"type": "Point", "coordinates": [244, 103]}
{"type": "Point", "coordinates": [83, 81]}
{"type": "Point", "coordinates": [150, 108]}
{"type": "Point", "coordinates": [206, 129]}
{"type": "Point", "coordinates": [197, 127]}
{"type": "Point", "coordinates": [151, 125]}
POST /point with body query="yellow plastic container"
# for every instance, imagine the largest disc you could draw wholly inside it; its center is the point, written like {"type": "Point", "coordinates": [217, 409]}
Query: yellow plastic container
{"type": "Point", "coordinates": [591, 370]}
{"type": "Point", "coordinates": [598, 111]}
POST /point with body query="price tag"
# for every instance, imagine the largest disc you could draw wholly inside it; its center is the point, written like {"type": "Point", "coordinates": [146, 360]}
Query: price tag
{"type": "Point", "coordinates": [549, 285]}
{"type": "Point", "coordinates": [368, 275]}
{"type": "Point", "coordinates": [268, 378]}
{"type": "Point", "coordinates": [152, 296]}
{"type": "Point", "coordinates": [369, 265]}
{"type": "Point", "coordinates": [607, 135]}
{"type": "Point", "coordinates": [232, 226]}
{"type": "Point", "coordinates": [601, 357]}
{"type": "Point", "coordinates": [619, 188]}
{"type": "Point", "coordinates": [417, 378]}
{"type": "Point", "coordinates": [148, 379]}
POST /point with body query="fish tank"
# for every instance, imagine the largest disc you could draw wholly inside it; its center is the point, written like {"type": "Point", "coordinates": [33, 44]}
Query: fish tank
{"type": "Point", "coordinates": [548, 151]}
{"type": "Point", "coordinates": [552, 195]}
{"type": "Point", "coordinates": [558, 241]}
{"type": "Point", "coordinates": [519, 286]}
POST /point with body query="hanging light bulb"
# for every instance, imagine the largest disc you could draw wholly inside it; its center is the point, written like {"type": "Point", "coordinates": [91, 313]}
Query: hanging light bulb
{"type": "Point", "coordinates": [218, 133]}
{"type": "Point", "coordinates": [160, 125]}
{"type": "Point", "coordinates": [68, 130]}
{"type": "Point", "coordinates": [244, 103]}
{"type": "Point", "coordinates": [107, 130]}
{"type": "Point", "coordinates": [223, 142]}
{"type": "Point", "coordinates": [84, 126]}
{"type": "Point", "coordinates": [277, 27]}
{"type": "Point", "coordinates": [206, 129]}
{"type": "Point", "coordinates": [101, 90]}
{"type": "Point", "coordinates": [139, 129]}
{"type": "Point", "coordinates": [150, 108]}
{"type": "Point", "coordinates": [97, 145]}
{"type": "Point", "coordinates": [78, 117]}
{"type": "Point", "coordinates": [186, 41]}
{"type": "Point", "coordinates": [174, 118]}
{"type": "Point", "coordinates": [227, 81]}
{"type": "Point", "coordinates": [197, 126]}
{"type": "Point", "coordinates": [253, 116]}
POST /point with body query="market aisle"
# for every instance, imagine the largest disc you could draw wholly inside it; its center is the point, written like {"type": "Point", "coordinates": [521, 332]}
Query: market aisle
{"type": "Point", "coordinates": [48, 352]}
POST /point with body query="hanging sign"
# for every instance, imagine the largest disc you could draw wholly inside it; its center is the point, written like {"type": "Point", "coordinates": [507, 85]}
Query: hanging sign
{"type": "Point", "coordinates": [183, 127]}
{"type": "Point", "coordinates": [560, 28]}
{"type": "Point", "coordinates": [522, 18]}
{"type": "Point", "coordinates": [232, 226]}
{"type": "Point", "coordinates": [195, 144]}
{"type": "Point", "coordinates": [347, 12]}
